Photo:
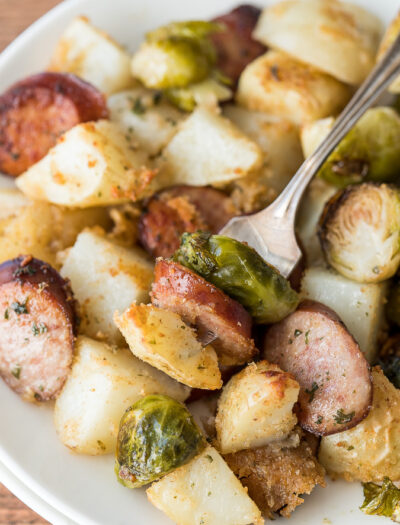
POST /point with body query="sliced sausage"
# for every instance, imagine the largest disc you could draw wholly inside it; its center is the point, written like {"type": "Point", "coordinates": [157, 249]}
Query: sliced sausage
{"type": "Point", "coordinates": [180, 209]}
{"type": "Point", "coordinates": [206, 307]}
{"type": "Point", "coordinates": [37, 110]}
{"type": "Point", "coordinates": [235, 45]}
{"type": "Point", "coordinates": [37, 324]}
{"type": "Point", "coordinates": [314, 345]}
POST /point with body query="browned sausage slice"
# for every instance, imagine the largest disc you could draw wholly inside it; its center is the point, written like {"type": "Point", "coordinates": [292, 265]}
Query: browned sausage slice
{"type": "Point", "coordinates": [314, 345]}
{"type": "Point", "coordinates": [180, 209]}
{"type": "Point", "coordinates": [203, 305]}
{"type": "Point", "coordinates": [37, 110]}
{"type": "Point", "coordinates": [36, 328]}
{"type": "Point", "coordinates": [235, 46]}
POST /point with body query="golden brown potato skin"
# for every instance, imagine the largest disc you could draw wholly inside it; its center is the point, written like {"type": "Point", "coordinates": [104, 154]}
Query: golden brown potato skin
{"type": "Point", "coordinates": [276, 476]}
{"type": "Point", "coordinates": [37, 110]}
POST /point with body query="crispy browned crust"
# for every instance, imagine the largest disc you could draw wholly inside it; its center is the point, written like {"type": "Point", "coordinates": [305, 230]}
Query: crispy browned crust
{"type": "Point", "coordinates": [235, 45]}
{"type": "Point", "coordinates": [37, 110]}
{"type": "Point", "coordinates": [48, 293]}
{"type": "Point", "coordinates": [205, 306]}
{"type": "Point", "coordinates": [287, 355]}
{"type": "Point", "coordinates": [180, 209]}
{"type": "Point", "coordinates": [276, 477]}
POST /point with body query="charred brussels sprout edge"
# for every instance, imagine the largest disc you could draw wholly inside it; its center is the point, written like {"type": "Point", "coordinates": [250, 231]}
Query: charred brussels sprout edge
{"type": "Point", "coordinates": [157, 435]}
{"type": "Point", "coordinates": [239, 271]}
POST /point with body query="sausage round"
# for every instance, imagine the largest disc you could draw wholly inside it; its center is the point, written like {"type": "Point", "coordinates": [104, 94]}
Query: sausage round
{"type": "Point", "coordinates": [206, 307]}
{"type": "Point", "coordinates": [37, 326]}
{"type": "Point", "coordinates": [314, 345]}
{"type": "Point", "coordinates": [235, 45]}
{"type": "Point", "coordinates": [37, 110]}
{"type": "Point", "coordinates": [180, 209]}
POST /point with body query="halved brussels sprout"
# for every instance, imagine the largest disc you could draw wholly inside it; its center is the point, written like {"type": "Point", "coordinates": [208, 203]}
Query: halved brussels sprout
{"type": "Point", "coordinates": [176, 55]}
{"type": "Point", "coordinates": [369, 152]}
{"type": "Point", "coordinates": [359, 232]}
{"type": "Point", "coordinates": [382, 500]}
{"type": "Point", "coordinates": [156, 435]}
{"type": "Point", "coordinates": [206, 93]}
{"type": "Point", "coordinates": [240, 272]}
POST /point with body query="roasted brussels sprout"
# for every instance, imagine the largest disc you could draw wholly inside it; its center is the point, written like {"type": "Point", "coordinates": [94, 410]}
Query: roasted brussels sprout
{"type": "Point", "coordinates": [176, 55]}
{"type": "Point", "coordinates": [208, 92]}
{"type": "Point", "coordinates": [389, 360]}
{"type": "Point", "coordinates": [359, 232]}
{"type": "Point", "coordinates": [240, 272]}
{"type": "Point", "coordinates": [369, 152]}
{"type": "Point", "coordinates": [156, 435]}
{"type": "Point", "coordinates": [382, 500]}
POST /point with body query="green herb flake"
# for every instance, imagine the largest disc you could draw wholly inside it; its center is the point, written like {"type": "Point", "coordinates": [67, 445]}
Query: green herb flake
{"type": "Point", "coordinates": [20, 308]}
{"type": "Point", "coordinates": [38, 329]}
{"type": "Point", "coordinates": [382, 500]}
{"type": "Point", "coordinates": [319, 420]}
{"type": "Point", "coordinates": [37, 396]}
{"type": "Point", "coordinates": [101, 445]}
{"type": "Point", "coordinates": [306, 337]}
{"type": "Point", "coordinates": [350, 448]}
{"type": "Point", "coordinates": [24, 270]}
{"type": "Point", "coordinates": [210, 459]}
{"type": "Point", "coordinates": [138, 108]}
{"type": "Point", "coordinates": [311, 391]}
{"type": "Point", "coordinates": [297, 332]}
{"type": "Point", "coordinates": [16, 371]}
{"type": "Point", "coordinates": [341, 418]}
{"type": "Point", "coordinates": [6, 314]}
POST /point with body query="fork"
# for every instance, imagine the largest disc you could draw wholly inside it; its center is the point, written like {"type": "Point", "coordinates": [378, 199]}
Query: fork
{"type": "Point", "coordinates": [271, 232]}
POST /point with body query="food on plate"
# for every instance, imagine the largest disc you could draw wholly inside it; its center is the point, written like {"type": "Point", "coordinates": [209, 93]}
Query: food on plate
{"type": "Point", "coordinates": [92, 55]}
{"type": "Point", "coordinates": [277, 84]}
{"type": "Point", "coordinates": [42, 229]}
{"type": "Point", "coordinates": [161, 338]}
{"type": "Point", "coordinates": [369, 451]}
{"type": "Point", "coordinates": [234, 43]}
{"type": "Point", "coordinates": [145, 117]}
{"type": "Point", "coordinates": [256, 408]}
{"type": "Point", "coordinates": [176, 210]}
{"type": "Point", "coordinates": [205, 306]}
{"type": "Point", "coordinates": [37, 110]}
{"type": "Point", "coordinates": [313, 344]}
{"type": "Point", "coordinates": [339, 38]}
{"type": "Point", "coordinates": [278, 474]}
{"type": "Point", "coordinates": [219, 152]}
{"type": "Point", "coordinates": [105, 277]}
{"type": "Point", "coordinates": [389, 37]}
{"type": "Point", "coordinates": [120, 169]}
{"type": "Point", "coordinates": [360, 306]}
{"type": "Point", "coordinates": [359, 232]}
{"type": "Point", "coordinates": [240, 272]}
{"type": "Point", "coordinates": [37, 328]}
{"type": "Point", "coordinates": [93, 164]}
{"type": "Point", "coordinates": [103, 383]}
{"type": "Point", "coordinates": [382, 500]}
{"type": "Point", "coordinates": [157, 435]}
{"type": "Point", "coordinates": [278, 139]}
{"type": "Point", "coordinates": [204, 490]}
{"type": "Point", "coordinates": [369, 152]}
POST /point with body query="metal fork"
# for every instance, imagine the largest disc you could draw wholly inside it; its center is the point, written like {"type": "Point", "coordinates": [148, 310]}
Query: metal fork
{"type": "Point", "coordinates": [271, 232]}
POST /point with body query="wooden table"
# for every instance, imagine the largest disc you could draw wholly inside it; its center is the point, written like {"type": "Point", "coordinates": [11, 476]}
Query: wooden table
{"type": "Point", "coordinates": [15, 16]}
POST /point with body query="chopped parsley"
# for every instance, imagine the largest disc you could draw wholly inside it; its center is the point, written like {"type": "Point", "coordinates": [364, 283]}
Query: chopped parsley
{"type": "Point", "coordinates": [24, 270]}
{"type": "Point", "coordinates": [138, 108]}
{"type": "Point", "coordinates": [319, 420]}
{"type": "Point", "coordinates": [311, 391]}
{"type": "Point", "coordinates": [341, 418]}
{"type": "Point", "coordinates": [306, 336]}
{"type": "Point", "coordinates": [20, 308]}
{"type": "Point", "coordinates": [16, 371]}
{"type": "Point", "coordinates": [6, 314]}
{"type": "Point", "coordinates": [210, 459]}
{"type": "Point", "coordinates": [297, 332]}
{"type": "Point", "coordinates": [38, 329]}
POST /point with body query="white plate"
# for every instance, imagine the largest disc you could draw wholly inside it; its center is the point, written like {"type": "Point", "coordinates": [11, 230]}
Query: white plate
{"type": "Point", "coordinates": [82, 488]}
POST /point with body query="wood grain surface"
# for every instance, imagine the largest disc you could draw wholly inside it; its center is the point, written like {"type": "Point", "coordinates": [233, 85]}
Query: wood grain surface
{"type": "Point", "coordinates": [15, 16]}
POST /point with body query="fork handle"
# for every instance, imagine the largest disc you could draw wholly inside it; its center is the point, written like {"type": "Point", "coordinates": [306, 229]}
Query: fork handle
{"type": "Point", "coordinates": [380, 77]}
